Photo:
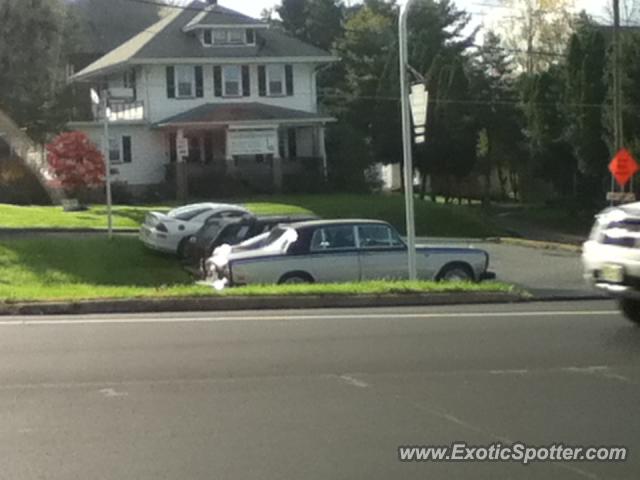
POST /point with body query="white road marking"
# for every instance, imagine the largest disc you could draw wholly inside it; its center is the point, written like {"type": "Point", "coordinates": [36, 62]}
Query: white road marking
{"type": "Point", "coordinates": [353, 381]}
{"type": "Point", "coordinates": [112, 393]}
{"type": "Point", "coordinates": [287, 318]}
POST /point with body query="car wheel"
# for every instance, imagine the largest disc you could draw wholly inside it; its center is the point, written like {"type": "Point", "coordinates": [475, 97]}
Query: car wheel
{"type": "Point", "coordinates": [182, 246]}
{"type": "Point", "coordinates": [295, 277]}
{"type": "Point", "coordinates": [631, 309]}
{"type": "Point", "coordinates": [455, 272]}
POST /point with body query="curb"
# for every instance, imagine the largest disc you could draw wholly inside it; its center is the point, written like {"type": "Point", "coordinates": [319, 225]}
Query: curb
{"type": "Point", "coordinates": [27, 231]}
{"type": "Point", "coordinates": [214, 304]}
{"type": "Point", "coordinates": [522, 242]}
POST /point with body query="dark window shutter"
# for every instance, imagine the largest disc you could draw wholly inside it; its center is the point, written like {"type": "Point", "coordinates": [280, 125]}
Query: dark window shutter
{"type": "Point", "coordinates": [199, 84]}
{"type": "Point", "coordinates": [288, 75]}
{"type": "Point", "coordinates": [292, 143]}
{"type": "Point", "coordinates": [171, 83]}
{"type": "Point", "coordinates": [251, 36]}
{"type": "Point", "coordinates": [217, 81]}
{"type": "Point", "coordinates": [134, 80]}
{"type": "Point", "coordinates": [262, 81]}
{"type": "Point", "coordinates": [126, 149]}
{"type": "Point", "coordinates": [246, 81]}
{"type": "Point", "coordinates": [173, 148]}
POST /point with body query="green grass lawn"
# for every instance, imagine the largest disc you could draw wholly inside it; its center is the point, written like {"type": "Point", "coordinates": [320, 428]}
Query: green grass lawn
{"type": "Point", "coordinates": [55, 268]}
{"type": "Point", "coordinates": [432, 219]}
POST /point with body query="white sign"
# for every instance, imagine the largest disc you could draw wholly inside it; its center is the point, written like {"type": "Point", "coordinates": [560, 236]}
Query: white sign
{"type": "Point", "coordinates": [419, 99]}
{"type": "Point", "coordinates": [625, 197]}
{"type": "Point", "coordinates": [182, 146]}
{"type": "Point", "coordinates": [252, 142]}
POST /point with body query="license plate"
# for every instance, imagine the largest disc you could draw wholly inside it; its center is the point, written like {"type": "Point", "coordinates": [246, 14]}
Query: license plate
{"type": "Point", "coordinates": [612, 273]}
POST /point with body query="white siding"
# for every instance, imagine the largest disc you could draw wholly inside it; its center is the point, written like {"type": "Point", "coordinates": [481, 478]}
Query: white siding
{"type": "Point", "coordinates": [159, 107]}
{"type": "Point", "coordinates": [148, 153]}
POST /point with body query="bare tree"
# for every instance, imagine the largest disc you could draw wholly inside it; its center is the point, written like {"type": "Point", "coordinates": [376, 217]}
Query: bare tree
{"type": "Point", "coordinates": [536, 31]}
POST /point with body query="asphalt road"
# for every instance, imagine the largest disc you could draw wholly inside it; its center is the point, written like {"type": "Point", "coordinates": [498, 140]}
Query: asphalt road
{"type": "Point", "coordinates": [315, 395]}
{"type": "Point", "coordinates": [543, 272]}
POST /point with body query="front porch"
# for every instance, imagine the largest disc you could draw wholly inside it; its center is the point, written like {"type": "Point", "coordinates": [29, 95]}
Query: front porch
{"type": "Point", "coordinates": [266, 152]}
{"type": "Point", "coordinates": [297, 154]}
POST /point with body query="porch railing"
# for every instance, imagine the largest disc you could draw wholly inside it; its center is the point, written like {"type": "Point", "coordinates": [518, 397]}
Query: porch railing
{"type": "Point", "coordinates": [122, 111]}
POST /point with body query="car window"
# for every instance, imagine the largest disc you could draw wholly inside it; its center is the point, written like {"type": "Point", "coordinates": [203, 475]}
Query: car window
{"type": "Point", "coordinates": [211, 229]}
{"type": "Point", "coordinates": [231, 213]}
{"type": "Point", "coordinates": [339, 237]}
{"type": "Point", "coordinates": [378, 236]}
{"type": "Point", "coordinates": [233, 234]}
{"type": "Point", "coordinates": [188, 214]}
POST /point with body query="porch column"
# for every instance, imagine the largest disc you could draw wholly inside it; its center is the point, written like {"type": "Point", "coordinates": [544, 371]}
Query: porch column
{"type": "Point", "coordinates": [277, 171]}
{"type": "Point", "coordinates": [322, 152]}
{"type": "Point", "coordinates": [182, 181]}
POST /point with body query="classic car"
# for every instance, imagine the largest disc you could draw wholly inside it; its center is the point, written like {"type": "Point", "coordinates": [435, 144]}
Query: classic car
{"type": "Point", "coordinates": [341, 251]}
{"type": "Point", "coordinates": [230, 231]}
{"type": "Point", "coordinates": [169, 232]}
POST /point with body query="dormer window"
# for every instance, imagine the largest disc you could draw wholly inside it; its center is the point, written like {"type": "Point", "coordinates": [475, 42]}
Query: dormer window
{"type": "Point", "coordinates": [220, 37]}
{"type": "Point", "coordinates": [237, 37]}
{"type": "Point", "coordinates": [228, 36]}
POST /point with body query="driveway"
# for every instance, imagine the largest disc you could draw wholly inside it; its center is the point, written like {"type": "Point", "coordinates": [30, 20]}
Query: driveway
{"type": "Point", "coordinates": [543, 272]}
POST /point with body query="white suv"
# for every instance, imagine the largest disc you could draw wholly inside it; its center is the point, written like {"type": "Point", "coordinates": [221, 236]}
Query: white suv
{"type": "Point", "coordinates": [611, 256]}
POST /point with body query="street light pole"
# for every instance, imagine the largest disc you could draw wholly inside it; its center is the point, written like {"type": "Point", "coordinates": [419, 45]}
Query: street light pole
{"type": "Point", "coordinates": [406, 141]}
{"type": "Point", "coordinates": [107, 160]}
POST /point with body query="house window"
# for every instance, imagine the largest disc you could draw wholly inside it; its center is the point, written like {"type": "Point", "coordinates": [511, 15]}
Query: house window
{"type": "Point", "coordinates": [120, 149]}
{"type": "Point", "coordinates": [114, 151]}
{"type": "Point", "coordinates": [275, 79]}
{"type": "Point", "coordinates": [232, 81]}
{"type": "Point", "coordinates": [231, 36]}
{"type": "Point", "coordinates": [185, 81]}
{"type": "Point", "coordinates": [220, 37]}
{"type": "Point", "coordinates": [236, 37]}
{"type": "Point", "coordinates": [207, 38]}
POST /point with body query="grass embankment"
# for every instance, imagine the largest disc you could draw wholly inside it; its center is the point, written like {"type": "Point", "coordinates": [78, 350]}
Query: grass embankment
{"type": "Point", "coordinates": [95, 268]}
{"type": "Point", "coordinates": [432, 219]}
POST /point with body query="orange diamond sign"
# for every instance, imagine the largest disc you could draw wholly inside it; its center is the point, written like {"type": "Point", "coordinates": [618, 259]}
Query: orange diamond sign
{"type": "Point", "coordinates": [623, 167]}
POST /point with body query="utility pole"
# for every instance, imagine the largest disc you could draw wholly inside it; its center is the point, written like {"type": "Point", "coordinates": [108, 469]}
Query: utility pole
{"type": "Point", "coordinates": [406, 141]}
{"type": "Point", "coordinates": [107, 160]}
{"type": "Point", "coordinates": [617, 80]}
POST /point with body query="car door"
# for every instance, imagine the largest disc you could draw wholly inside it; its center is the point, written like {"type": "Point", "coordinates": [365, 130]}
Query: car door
{"type": "Point", "coordinates": [383, 255]}
{"type": "Point", "coordinates": [333, 255]}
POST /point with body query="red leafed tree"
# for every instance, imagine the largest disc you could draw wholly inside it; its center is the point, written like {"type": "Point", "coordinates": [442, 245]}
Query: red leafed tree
{"type": "Point", "coordinates": [75, 162]}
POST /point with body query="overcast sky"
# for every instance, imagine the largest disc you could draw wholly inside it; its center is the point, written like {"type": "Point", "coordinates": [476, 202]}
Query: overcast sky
{"type": "Point", "coordinates": [254, 7]}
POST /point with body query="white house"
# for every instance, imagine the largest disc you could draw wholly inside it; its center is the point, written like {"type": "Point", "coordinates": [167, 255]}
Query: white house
{"type": "Point", "coordinates": [241, 93]}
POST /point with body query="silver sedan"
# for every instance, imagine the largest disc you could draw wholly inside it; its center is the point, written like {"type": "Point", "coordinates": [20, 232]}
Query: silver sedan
{"type": "Point", "coordinates": [341, 251]}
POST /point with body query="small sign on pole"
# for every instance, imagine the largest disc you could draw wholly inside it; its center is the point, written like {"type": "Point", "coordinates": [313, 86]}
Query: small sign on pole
{"type": "Point", "coordinates": [623, 167]}
{"type": "Point", "coordinates": [182, 146]}
{"type": "Point", "coordinates": [419, 99]}
{"type": "Point", "coordinates": [622, 197]}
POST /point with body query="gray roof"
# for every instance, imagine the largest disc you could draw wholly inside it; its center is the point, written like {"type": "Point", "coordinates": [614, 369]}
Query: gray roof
{"type": "Point", "coordinates": [224, 113]}
{"type": "Point", "coordinates": [219, 15]}
{"type": "Point", "coordinates": [167, 40]}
